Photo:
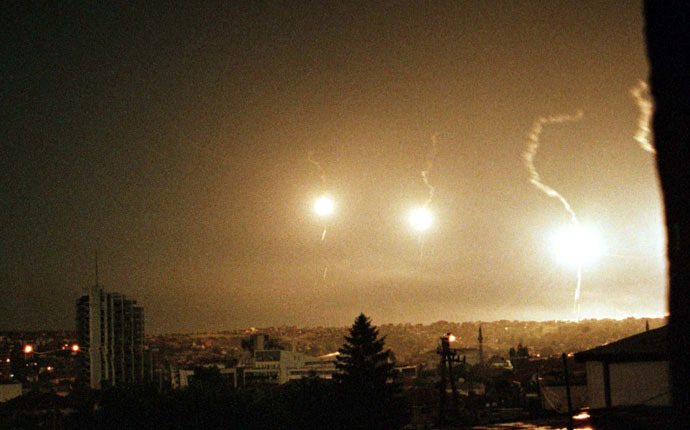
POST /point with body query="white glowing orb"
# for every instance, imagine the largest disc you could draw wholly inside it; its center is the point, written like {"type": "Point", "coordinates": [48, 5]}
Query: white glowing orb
{"type": "Point", "coordinates": [420, 219]}
{"type": "Point", "coordinates": [576, 245]}
{"type": "Point", "coordinates": [324, 206]}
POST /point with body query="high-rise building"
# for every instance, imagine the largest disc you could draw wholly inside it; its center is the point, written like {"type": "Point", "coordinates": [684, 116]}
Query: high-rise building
{"type": "Point", "coordinates": [110, 333]}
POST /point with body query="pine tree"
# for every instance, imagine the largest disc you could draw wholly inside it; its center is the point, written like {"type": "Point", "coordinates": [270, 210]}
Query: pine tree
{"type": "Point", "coordinates": [362, 360]}
{"type": "Point", "coordinates": [365, 369]}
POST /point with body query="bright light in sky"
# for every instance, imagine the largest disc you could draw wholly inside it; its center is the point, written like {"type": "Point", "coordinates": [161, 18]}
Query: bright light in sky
{"type": "Point", "coordinates": [576, 244]}
{"type": "Point", "coordinates": [420, 219]}
{"type": "Point", "coordinates": [324, 206]}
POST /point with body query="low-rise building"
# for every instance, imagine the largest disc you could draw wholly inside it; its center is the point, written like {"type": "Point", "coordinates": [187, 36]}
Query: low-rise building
{"type": "Point", "coordinates": [269, 366]}
{"type": "Point", "coordinates": [631, 371]}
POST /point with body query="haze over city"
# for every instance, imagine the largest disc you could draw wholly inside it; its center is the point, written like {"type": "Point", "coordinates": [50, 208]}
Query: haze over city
{"type": "Point", "coordinates": [188, 143]}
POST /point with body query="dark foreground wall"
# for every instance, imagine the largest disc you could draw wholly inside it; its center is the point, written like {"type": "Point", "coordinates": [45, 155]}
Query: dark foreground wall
{"type": "Point", "coordinates": [668, 48]}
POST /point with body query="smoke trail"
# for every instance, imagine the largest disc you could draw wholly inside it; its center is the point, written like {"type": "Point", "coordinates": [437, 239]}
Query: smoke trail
{"type": "Point", "coordinates": [322, 176]}
{"type": "Point", "coordinates": [429, 164]}
{"type": "Point", "coordinates": [322, 173]}
{"type": "Point", "coordinates": [430, 158]}
{"type": "Point", "coordinates": [640, 93]}
{"type": "Point", "coordinates": [535, 178]}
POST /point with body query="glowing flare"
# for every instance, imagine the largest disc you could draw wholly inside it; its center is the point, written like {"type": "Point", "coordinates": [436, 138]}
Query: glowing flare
{"type": "Point", "coordinates": [576, 245]}
{"type": "Point", "coordinates": [451, 338]}
{"type": "Point", "coordinates": [420, 219]}
{"type": "Point", "coordinates": [28, 349]}
{"type": "Point", "coordinates": [75, 348]}
{"type": "Point", "coordinates": [324, 206]}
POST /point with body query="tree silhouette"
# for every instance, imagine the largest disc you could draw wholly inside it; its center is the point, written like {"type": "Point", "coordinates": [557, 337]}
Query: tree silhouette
{"type": "Point", "coordinates": [365, 376]}
{"type": "Point", "coordinates": [362, 360]}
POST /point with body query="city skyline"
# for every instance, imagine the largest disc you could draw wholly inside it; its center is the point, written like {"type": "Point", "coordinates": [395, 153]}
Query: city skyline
{"type": "Point", "coordinates": [188, 143]}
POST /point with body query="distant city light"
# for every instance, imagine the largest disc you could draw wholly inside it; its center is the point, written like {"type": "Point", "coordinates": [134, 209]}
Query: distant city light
{"type": "Point", "coordinates": [324, 206]}
{"type": "Point", "coordinates": [28, 349]}
{"type": "Point", "coordinates": [75, 348]}
{"type": "Point", "coordinates": [420, 219]}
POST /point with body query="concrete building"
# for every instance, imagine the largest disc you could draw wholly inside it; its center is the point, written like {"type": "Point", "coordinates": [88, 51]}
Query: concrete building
{"type": "Point", "coordinates": [273, 366]}
{"type": "Point", "coordinates": [321, 367]}
{"type": "Point", "coordinates": [110, 333]}
{"type": "Point", "coordinates": [631, 371]}
{"type": "Point", "coordinates": [270, 366]}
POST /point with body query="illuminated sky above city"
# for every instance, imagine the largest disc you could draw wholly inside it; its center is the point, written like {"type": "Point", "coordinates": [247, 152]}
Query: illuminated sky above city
{"type": "Point", "coordinates": [188, 143]}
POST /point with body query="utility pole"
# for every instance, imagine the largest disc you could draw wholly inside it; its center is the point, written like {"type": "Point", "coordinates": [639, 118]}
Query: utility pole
{"type": "Point", "coordinates": [567, 391]}
{"type": "Point", "coordinates": [448, 357]}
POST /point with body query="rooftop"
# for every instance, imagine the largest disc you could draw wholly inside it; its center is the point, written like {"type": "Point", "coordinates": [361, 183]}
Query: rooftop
{"type": "Point", "coordinates": [651, 345]}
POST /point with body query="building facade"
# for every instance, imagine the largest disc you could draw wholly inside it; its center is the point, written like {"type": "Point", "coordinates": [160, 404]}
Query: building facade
{"type": "Point", "coordinates": [629, 372]}
{"type": "Point", "coordinates": [110, 333]}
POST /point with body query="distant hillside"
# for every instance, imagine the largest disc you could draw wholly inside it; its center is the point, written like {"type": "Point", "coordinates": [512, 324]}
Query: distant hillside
{"type": "Point", "coordinates": [413, 343]}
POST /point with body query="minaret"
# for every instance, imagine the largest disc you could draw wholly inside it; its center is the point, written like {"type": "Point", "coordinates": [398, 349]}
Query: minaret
{"type": "Point", "coordinates": [96, 265]}
{"type": "Point", "coordinates": [481, 345]}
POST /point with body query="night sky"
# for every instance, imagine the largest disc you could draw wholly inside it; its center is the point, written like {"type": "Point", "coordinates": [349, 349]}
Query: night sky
{"type": "Point", "coordinates": [176, 140]}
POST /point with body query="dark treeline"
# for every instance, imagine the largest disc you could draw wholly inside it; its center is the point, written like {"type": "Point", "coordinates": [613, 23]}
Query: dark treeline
{"type": "Point", "coordinates": [361, 397]}
{"type": "Point", "coordinates": [310, 403]}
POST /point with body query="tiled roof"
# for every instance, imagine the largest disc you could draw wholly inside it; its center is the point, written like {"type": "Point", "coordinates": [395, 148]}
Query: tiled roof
{"type": "Point", "coordinates": [649, 345]}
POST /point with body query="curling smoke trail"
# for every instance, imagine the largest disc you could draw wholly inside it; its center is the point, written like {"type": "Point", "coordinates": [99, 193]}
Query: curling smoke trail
{"type": "Point", "coordinates": [640, 93]}
{"type": "Point", "coordinates": [431, 156]}
{"type": "Point", "coordinates": [425, 173]}
{"type": "Point", "coordinates": [322, 176]}
{"type": "Point", "coordinates": [322, 173]}
{"type": "Point", "coordinates": [535, 178]}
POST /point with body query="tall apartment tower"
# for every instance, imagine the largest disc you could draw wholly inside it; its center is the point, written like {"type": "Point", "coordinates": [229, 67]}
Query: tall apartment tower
{"type": "Point", "coordinates": [110, 333]}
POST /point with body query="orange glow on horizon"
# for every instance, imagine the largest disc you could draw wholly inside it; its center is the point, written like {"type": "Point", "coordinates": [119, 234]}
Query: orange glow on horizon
{"type": "Point", "coordinates": [581, 416]}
